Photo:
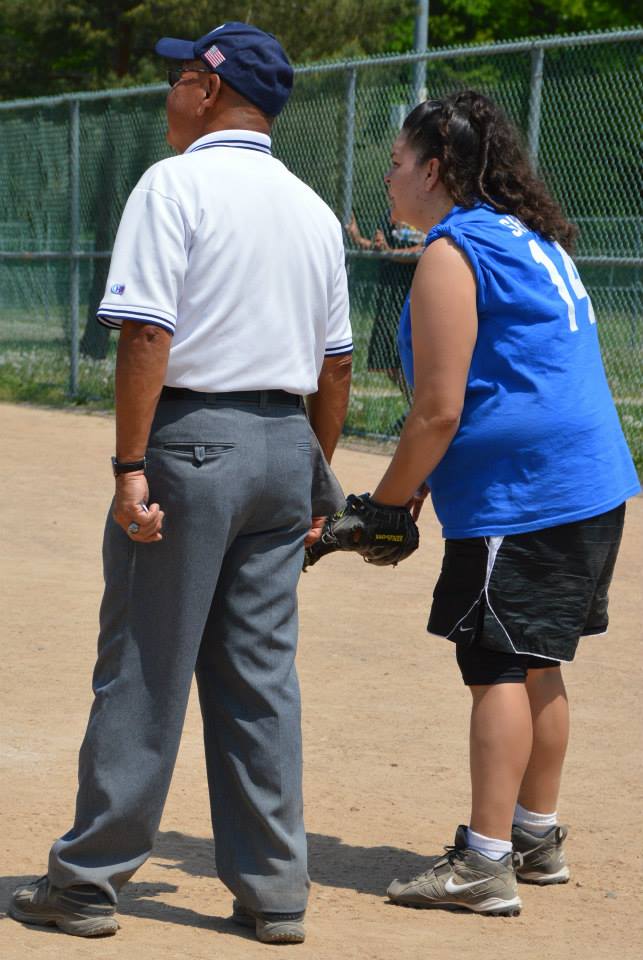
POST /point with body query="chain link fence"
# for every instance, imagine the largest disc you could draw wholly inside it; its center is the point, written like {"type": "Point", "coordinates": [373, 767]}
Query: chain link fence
{"type": "Point", "coordinates": [68, 163]}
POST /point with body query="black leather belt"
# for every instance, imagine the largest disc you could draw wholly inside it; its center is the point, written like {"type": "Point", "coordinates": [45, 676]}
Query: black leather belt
{"type": "Point", "coordinates": [262, 398]}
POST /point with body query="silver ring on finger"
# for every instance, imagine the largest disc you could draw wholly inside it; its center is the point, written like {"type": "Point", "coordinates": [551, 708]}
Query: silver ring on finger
{"type": "Point", "coordinates": [133, 528]}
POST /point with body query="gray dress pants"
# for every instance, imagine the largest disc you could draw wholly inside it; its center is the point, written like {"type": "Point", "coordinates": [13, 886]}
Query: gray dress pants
{"type": "Point", "coordinates": [217, 596]}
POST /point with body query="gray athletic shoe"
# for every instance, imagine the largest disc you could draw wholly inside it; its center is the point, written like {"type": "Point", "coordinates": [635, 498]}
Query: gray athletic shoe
{"type": "Point", "coordinates": [543, 857]}
{"type": "Point", "coordinates": [83, 910]}
{"type": "Point", "coordinates": [462, 878]}
{"type": "Point", "coordinates": [271, 927]}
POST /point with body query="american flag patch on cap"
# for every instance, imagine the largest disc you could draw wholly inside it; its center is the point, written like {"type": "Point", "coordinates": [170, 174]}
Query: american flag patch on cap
{"type": "Point", "coordinates": [214, 56]}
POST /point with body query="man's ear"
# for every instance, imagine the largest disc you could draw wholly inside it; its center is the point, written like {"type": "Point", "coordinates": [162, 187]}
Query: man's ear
{"type": "Point", "coordinates": [210, 93]}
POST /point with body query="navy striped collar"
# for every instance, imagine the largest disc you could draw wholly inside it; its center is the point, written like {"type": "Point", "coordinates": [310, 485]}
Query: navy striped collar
{"type": "Point", "coordinates": [237, 139]}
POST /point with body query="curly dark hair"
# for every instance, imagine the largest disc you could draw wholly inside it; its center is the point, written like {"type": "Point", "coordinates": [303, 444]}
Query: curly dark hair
{"type": "Point", "coordinates": [482, 158]}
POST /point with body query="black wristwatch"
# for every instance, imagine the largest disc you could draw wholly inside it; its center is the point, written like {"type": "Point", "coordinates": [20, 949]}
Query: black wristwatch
{"type": "Point", "coordinates": [119, 467]}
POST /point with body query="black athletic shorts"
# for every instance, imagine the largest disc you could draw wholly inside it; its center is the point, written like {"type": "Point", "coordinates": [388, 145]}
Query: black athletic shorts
{"type": "Point", "coordinates": [525, 597]}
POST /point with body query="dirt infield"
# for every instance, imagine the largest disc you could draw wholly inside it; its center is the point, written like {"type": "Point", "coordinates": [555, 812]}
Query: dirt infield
{"type": "Point", "coordinates": [385, 727]}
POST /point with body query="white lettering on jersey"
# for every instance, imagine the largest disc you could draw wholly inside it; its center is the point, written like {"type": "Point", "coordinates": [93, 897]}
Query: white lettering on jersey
{"type": "Point", "coordinates": [574, 281]}
{"type": "Point", "coordinates": [516, 226]}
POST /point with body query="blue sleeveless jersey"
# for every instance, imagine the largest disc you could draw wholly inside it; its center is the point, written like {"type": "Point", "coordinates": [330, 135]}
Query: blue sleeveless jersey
{"type": "Point", "coordinates": [539, 442]}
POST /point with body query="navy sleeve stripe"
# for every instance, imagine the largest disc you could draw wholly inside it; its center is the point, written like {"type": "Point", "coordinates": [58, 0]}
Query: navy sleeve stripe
{"type": "Point", "coordinates": [108, 323]}
{"type": "Point", "coordinates": [115, 323]}
{"type": "Point", "coordinates": [336, 351]}
{"type": "Point", "coordinates": [117, 313]}
{"type": "Point", "coordinates": [111, 311]}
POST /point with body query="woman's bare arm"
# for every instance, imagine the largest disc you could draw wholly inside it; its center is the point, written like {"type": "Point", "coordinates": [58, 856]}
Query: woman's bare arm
{"type": "Point", "coordinates": [444, 330]}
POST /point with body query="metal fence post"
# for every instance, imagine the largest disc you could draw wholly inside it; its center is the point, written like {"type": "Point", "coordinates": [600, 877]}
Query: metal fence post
{"type": "Point", "coordinates": [535, 102]}
{"type": "Point", "coordinates": [420, 42]}
{"type": "Point", "coordinates": [47, 246]}
{"type": "Point", "coordinates": [349, 145]}
{"type": "Point", "coordinates": [74, 232]}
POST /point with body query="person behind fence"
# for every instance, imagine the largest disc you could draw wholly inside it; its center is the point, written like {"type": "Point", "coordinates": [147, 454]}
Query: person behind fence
{"type": "Point", "coordinates": [393, 279]}
{"type": "Point", "coordinates": [514, 430]}
{"type": "Point", "coordinates": [223, 331]}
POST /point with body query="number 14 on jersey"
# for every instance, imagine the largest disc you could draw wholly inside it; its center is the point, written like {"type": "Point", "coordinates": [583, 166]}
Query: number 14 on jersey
{"type": "Point", "coordinates": [566, 288]}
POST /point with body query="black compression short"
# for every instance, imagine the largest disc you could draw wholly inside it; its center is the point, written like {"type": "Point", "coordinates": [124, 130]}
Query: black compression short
{"type": "Point", "coordinates": [529, 594]}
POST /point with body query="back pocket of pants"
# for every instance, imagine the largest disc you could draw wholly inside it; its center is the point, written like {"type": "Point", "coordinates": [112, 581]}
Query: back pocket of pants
{"type": "Point", "coordinates": [198, 453]}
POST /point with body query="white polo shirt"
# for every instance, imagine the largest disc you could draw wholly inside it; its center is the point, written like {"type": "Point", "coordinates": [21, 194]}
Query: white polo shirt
{"type": "Point", "coordinates": [239, 260]}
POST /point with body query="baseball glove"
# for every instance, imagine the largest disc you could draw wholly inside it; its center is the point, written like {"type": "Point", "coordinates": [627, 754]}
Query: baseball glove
{"type": "Point", "coordinates": [383, 535]}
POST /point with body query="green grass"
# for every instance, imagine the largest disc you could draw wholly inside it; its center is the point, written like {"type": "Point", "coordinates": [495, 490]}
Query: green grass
{"type": "Point", "coordinates": [38, 371]}
{"type": "Point", "coordinates": [34, 368]}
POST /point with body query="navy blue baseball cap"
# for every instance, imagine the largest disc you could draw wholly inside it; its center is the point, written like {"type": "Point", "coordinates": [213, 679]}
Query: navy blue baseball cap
{"type": "Point", "coordinates": [252, 62]}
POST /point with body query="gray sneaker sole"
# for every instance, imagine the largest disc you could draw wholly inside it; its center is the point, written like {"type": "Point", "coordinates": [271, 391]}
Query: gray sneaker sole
{"type": "Point", "coordinates": [493, 907]}
{"type": "Point", "coordinates": [282, 932]}
{"type": "Point", "coordinates": [543, 879]}
{"type": "Point", "coordinates": [278, 931]}
{"type": "Point", "coordinates": [86, 927]}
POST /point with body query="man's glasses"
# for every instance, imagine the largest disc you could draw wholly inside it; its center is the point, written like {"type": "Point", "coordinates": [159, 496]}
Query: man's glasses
{"type": "Point", "coordinates": [174, 75]}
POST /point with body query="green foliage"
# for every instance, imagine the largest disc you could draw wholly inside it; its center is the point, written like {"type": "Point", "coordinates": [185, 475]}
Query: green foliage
{"type": "Point", "coordinates": [61, 45]}
{"type": "Point", "coordinates": [479, 21]}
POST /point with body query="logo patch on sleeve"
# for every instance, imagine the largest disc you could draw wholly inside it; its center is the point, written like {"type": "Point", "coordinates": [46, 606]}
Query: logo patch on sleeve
{"type": "Point", "coordinates": [117, 288]}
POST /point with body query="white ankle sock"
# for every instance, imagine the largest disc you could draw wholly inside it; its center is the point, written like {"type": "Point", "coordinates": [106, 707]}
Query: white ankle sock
{"type": "Point", "coordinates": [538, 823]}
{"type": "Point", "coordinates": [494, 849]}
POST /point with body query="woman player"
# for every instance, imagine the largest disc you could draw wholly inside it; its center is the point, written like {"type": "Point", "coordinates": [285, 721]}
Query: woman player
{"type": "Point", "coordinates": [513, 425]}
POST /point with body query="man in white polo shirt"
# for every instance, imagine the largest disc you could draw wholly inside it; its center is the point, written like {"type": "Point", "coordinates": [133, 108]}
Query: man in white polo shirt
{"type": "Point", "coordinates": [228, 285]}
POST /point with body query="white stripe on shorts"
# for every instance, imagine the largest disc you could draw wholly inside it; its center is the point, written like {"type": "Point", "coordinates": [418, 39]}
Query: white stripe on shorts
{"type": "Point", "coordinates": [493, 547]}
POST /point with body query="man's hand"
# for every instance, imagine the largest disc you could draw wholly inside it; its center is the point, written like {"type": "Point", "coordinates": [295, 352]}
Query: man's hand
{"type": "Point", "coordinates": [130, 507]}
{"type": "Point", "coordinates": [416, 502]}
{"type": "Point", "coordinates": [315, 531]}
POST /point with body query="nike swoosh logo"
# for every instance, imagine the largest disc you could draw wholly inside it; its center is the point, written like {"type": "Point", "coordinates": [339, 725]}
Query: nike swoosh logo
{"type": "Point", "coordinates": [452, 887]}
{"type": "Point", "coordinates": [465, 629]}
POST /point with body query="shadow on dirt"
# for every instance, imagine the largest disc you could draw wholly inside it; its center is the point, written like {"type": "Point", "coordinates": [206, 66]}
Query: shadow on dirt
{"type": "Point", "coordinates": [332, 863]}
